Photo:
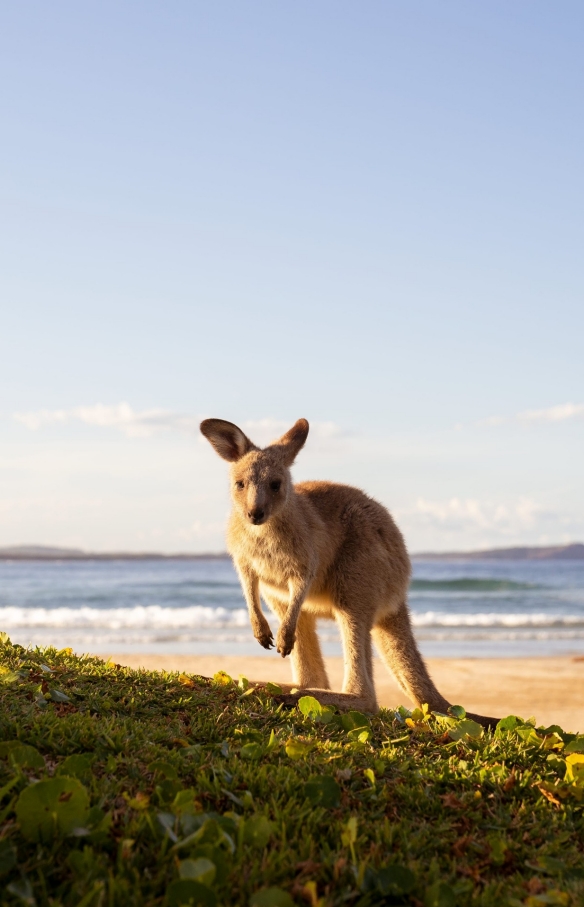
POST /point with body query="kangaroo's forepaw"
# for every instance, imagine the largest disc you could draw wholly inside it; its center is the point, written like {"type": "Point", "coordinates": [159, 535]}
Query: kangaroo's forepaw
{"type": "Point", "coordinates": [265, 639]}
{"type": "Point", "coordinates": [263, 633]}
{"type": "Point", "coordinates": [285, 640]}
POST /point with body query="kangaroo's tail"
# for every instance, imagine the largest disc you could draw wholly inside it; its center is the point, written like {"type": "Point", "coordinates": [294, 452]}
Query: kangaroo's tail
{"type": "Point", "coordinates": [396, 643]}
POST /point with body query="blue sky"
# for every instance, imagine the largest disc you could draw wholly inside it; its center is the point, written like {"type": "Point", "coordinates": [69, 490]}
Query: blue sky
{"type": "Point", "coordinates": [369, 215]}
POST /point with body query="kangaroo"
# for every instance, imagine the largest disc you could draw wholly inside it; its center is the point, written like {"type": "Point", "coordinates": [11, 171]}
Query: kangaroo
{"type": "Point", "coordinates": [320, 550]}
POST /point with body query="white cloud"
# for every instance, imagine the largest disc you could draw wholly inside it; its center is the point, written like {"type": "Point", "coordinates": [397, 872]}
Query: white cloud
{"type": "Point", "coordinates": [148, 422]}
{"type": "Point", "coordinates": [558, 413]}
{"type": "Point", "coordinates": [471, 515]}
{"type": "Point", "coordinates": [466, 524]}
{"type": "Point", "coordinates": [132, 423]}
{"type": "Point", "coordinates": [554, 413]}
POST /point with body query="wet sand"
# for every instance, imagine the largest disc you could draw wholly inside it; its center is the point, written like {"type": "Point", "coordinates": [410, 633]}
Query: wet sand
{"type": "Point", "coordinates": [551, 689]}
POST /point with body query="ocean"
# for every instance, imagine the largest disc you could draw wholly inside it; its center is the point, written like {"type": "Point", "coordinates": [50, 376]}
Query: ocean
{"type": "Point", "coordinates": [464, 608]}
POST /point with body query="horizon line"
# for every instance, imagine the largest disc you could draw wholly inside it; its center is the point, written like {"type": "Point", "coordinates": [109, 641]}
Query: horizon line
{"type": "Point", "coordinates": [567, 550]}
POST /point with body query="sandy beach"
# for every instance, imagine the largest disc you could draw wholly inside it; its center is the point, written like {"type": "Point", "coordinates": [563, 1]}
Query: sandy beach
{"type": "Point", "coordinates": [551, 689]}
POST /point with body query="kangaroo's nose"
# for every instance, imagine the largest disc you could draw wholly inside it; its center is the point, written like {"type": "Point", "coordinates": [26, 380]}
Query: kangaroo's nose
{"type": "Point", "coordinates": [257, 515]}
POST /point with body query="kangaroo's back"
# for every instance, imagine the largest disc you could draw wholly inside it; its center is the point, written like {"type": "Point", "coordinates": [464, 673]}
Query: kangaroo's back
{"type": "Point", "coordinates": [363, 532]}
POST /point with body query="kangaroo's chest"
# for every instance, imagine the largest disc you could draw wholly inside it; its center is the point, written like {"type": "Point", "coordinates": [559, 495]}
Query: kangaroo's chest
{"type": "Point", "coordinates": [274, 570]}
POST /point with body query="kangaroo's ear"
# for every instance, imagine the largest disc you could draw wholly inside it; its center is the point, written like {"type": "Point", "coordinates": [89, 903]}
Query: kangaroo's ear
{"type": "Point", "coordinates": [293, 441]}
{"type": "Point", "coordinates": [228, 440]}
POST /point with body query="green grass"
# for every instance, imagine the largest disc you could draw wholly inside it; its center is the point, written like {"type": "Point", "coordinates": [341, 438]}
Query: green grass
{"type": "Point", "coordinates": [121, 787]}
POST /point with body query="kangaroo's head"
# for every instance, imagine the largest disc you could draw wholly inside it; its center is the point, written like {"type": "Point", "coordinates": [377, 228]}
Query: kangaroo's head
{"type": "Point", "coordinates": [261, 483]}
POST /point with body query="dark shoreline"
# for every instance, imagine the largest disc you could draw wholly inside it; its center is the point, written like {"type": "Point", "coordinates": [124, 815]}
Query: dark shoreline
{"type": "Point", "coordinates": [572, 552]}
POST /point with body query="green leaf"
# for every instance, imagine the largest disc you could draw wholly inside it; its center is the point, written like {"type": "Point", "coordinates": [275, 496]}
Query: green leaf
{"type": "Point", "coordinates": [440, 895]}
{"type": "Point", "coordinates": [576, 745]}
{"type": "Point", "coordinates": [271, 897]}
{"type": "Point", "coordinates": [50, 808]}
{"type": "Point", "coordinates": [575, 768]}
{"type": "Point", "coordinates": [58, 695]}
{"type": "Point", "coordinates": [465, 728]}
{"type": "Point", "coordinates": [257, 831]}
{"type": "Point", "coordinates": [457, 711]}
{"type": "Point", "coordinates": [251, 751]}
{"type": "Point", "coordinates": [395, 880]}
{"type": "Point", "coordinates": [7, 746]}
{"type": "Point", "coordinates": [352, 721]}
{"type": "Point", "coordinates": [509, 723]}
{"type": "Point", "coordinates": [189, 892]}
{"type": "Point", "coordinates": [201, 870]}
{"type": "Point", "coordinates": [323, 790]}
{"type": "Point", "coordinates": [528, 734]}
{"type": "Point", "coordinates": [298, 749]}
{"type": "Point", "coordinates": [185, 802]}
{"type": "Point", "coordinates": [77, 766]}
{"type": "Point", "coordinates": [25, 756]}
{"type": "Point", "coordinates": [213, 854]}
{"type": "Point", "coordinates": [163, 768]}
{"type": "Point", "coordinates": [274, 689]}
{"type": "Point", "coordinates": [327, 715]}
{"type": "Point", "coordinates": [310, 707]}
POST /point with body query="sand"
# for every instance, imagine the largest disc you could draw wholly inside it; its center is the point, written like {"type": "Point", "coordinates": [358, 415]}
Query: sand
{"type": "Point", "coordinates": [551, 689]}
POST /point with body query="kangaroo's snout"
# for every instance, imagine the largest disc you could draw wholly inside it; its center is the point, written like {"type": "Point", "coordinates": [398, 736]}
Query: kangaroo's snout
{"type": "Point", "coordinates": [256, 516]}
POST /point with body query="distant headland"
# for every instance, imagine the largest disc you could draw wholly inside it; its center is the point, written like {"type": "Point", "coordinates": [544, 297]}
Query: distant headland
{"type": "Point", "coordinates": [571, 552]}
{"type": "Point", "coordinates": [47, 553]}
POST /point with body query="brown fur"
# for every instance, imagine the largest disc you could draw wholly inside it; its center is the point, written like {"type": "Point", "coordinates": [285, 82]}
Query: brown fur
{"type": "Point", "coordinates": [320, 550]}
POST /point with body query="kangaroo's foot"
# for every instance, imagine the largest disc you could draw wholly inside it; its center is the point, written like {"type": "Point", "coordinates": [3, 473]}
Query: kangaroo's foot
{"type": "Point", "coordinates": [343, 701]}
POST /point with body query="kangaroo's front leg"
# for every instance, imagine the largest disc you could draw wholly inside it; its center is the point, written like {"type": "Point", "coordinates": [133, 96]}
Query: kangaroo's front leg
{"type": "Point", "coordinates": [251, 590]}
{"type": "Point", "coordinates": [286, 636]}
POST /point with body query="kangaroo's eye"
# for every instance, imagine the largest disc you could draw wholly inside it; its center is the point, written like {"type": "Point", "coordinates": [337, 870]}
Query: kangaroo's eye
{"type": "Point", "coordinates": [275, 486]}
{"type": "Point", "coordinates": [240, 484]}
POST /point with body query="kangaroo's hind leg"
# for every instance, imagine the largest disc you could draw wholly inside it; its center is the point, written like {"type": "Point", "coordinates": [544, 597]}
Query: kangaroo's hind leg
{"type": "Point", "coordinates": [358, 690]}
{"type": "Point", "coordinates": [308, 670]}
{"type": "Point", "coordinates": [395, 640]}
{"type": "Point", "coordinates": [358, 660]}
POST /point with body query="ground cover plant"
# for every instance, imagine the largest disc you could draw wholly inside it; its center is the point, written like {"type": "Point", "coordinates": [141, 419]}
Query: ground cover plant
{"type": "Point", "coordinates": [122, 787]}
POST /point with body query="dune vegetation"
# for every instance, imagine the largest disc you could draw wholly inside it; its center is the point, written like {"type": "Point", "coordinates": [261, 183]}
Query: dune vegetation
{"type": "Point", "coordinates": [123, 787]}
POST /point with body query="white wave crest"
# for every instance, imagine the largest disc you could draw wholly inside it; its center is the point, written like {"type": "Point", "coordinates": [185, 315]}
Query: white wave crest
{"type": "Point", "coordinates": [153, 618]}
{"type": "Point", "coordinates": [138, 618]}
{"type": "Point", "coordinates": [494, 619]}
